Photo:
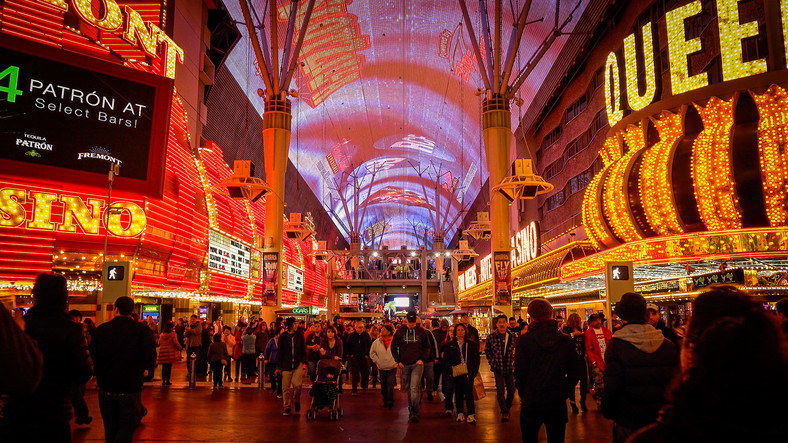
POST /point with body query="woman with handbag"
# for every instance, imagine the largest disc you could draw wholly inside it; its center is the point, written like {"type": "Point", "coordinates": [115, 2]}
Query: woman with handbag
{"type": "Point", "coordinates": [462, 356]}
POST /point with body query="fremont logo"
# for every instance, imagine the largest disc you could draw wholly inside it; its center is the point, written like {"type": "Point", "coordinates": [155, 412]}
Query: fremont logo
{"type": "Point", "coordinates": [99, 153]}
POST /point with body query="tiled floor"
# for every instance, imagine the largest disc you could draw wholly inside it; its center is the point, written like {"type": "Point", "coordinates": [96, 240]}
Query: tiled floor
{"type": "Point", "coordinates": [245, 414]}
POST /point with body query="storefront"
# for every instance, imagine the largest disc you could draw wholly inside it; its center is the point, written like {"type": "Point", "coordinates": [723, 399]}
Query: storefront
{"type": "Point", "coordinates": [93, 96]}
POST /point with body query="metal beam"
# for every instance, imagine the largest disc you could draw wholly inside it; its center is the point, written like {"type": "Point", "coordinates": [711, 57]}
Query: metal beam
{"type": "Point", "coordinates": [497, 53]}
{"type": "Point", "coordinates": [472, 35]}
{"type": "Point", "coordinates": [288, 42]}
{"type": "Point", "coordinates": [256, 46]}
{"type": "Point", "coordinates": [487, 37]}
{"type": "Point", "coordinates": [275, 47]}
{"type": "Point", "coordinates": [299, 42]}
{"type": "Point", "coordinates": [515, 46]}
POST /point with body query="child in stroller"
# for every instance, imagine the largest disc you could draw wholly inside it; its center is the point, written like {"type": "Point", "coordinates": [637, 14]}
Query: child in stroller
{"type": "Point", "coordinates": [325, 390]}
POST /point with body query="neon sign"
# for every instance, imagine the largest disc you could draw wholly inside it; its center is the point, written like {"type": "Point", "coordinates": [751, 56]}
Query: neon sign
{"type": "Point", "coordinates": [49, 211]}
{"type": "Point", "coordinates": [145, 36]}
{"type": "Point", "coordinates": [731, 35]}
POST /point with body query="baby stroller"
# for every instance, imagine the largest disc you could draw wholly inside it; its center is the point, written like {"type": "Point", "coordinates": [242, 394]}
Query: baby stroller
{"type": "Point", "coordinates": [325, 390]}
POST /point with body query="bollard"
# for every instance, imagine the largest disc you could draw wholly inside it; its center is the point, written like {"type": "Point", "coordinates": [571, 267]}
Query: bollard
{"type": "Point", "coordinates": [192, 370]}
{"type": "Point", "coordinates": [260, 372]}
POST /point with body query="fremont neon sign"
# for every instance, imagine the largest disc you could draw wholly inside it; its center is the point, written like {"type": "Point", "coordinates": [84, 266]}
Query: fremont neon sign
{"type": "Point", "coordinates": [145, 36]}
{"type": "Point", "coordinates": [731, 34]}
{"type": "Point", "coordinates": [69, 213]}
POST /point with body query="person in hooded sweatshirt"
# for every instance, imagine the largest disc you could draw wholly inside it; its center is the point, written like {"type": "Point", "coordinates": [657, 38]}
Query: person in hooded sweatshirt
{"type": "Point", "coordinates": [640, 362]}
{"type": "Point", "coordinates": [545, 368]}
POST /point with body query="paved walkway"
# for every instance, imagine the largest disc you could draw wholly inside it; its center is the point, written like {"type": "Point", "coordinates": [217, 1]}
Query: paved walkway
{"type": "Point", "coordinates": [242, 413]}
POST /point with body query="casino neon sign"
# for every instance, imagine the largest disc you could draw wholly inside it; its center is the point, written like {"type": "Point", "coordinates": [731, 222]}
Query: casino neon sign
{"type": "Point", "coordinates": [731, 34]}
{"type": "Point", "coordinates": [49, 211]}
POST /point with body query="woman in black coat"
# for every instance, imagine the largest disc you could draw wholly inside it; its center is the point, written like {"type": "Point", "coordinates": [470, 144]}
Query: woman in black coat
{"type": "Point", "coordinates": [458, 352]}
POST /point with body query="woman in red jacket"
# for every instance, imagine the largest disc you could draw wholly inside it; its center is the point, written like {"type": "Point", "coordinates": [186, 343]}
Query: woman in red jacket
{"type": "Point", "coordinates": [596, 338]}
{"type": "Point", "coordinates": [169, 352]}
{"type": "Point", "coordinates": [239, 348]}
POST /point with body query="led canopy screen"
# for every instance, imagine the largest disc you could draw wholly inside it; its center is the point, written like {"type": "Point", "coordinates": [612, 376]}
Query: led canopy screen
{"type": "Point", "coordinates": [387, 122]}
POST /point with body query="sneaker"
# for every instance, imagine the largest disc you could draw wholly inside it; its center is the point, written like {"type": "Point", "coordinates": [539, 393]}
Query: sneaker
{"type": "Point", "coordinates": [287, 412]}
{"type": "Point", "coordinates": [278, 395]}
{"type": "Point", "coordinates": [391, 405]}
{"type": "Point", "coordinates": [429, 396]}
{"type": "Point", "coordinates": [441, 396]}
{"type": "Point", "coordinates": [460, 417]}
{"type": "Point", "coordinates": [448, 413]}
{"type": "Point", "coordinates": [297, 407]}
{"type": "Point", "coordinates": [471, 419]}
{"type": "Point", "coordinates": [414, 419]}
{"type": "Point", "coordinates": [504, 417]}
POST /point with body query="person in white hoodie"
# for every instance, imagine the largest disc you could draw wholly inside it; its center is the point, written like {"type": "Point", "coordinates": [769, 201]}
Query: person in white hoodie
{"type": "Point", "coordinates": [640, 363]}
{"type": "Point", "coordinates": [380, 353]}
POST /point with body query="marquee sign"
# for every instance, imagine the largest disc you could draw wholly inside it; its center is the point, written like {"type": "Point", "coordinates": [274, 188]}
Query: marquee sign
{"type": "Point", "coordinates": [228, 255]}
{"type": "Point", "coordinates": [731, 34]}
{"type": "Point", "coordinates": [46, 210]}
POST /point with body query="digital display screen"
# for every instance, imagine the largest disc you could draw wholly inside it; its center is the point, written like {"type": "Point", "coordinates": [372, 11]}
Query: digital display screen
{"type": "Point", "coordinates": [56, 114]}
{"type": "Point", "coordinates": [619, 272]}
{"type": "Point", "coordinates": [228, 255]}
{"type": "Point", "coordinates": [389, 89]}
{"type": "Point", "coordinates": [402, 302]}
{"type": "Point", "coordinates": [117, 273]}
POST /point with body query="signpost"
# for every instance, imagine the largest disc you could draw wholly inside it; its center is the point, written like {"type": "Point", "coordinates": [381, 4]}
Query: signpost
{"type": "Point", "coordinates": [619, 279]}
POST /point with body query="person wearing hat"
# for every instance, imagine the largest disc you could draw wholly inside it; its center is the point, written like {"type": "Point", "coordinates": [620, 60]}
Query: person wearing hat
{"type": "Point", "coordinates": [597, 337]}
{"type": "Point", "coordinates": [639, 363]}
{"type": "Point", "coordinates": [656, 321]}
{"type": "Point", "coordinates": [410, 348]}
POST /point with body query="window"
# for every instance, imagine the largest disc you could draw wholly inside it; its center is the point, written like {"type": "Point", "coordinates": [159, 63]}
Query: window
{"type": "Point", "coordinates": [598, 80]}
{"type": "Point", "coordinates": [551, 137]}
{"type": "Point", "coordinates": [539, 156]}
{"type": "Point", "coordinates": [576, 108]}
{"type": "Point", "coordinates": [555, 200]}
{"type": "Point", "coordinates": [553, 169]}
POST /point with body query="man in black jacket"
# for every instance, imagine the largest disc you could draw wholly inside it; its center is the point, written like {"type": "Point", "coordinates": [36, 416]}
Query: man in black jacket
{"type": "Point", "coordinates": [122, 349]}
{"type": "Point", "coordinates": [639, 363]}
{"type": "Point", "coordinates": [410, 348]}
{"type": "Point", "coordinates": [545, 366]}
{"type": "Point", "coordinates": [290, 361]}
{"type": "Point", "coordinates": [654, 320]}
{"type": "Point", "coordinates": [45, 415]}
{"type": "Point", "coordinates": [357, 348]}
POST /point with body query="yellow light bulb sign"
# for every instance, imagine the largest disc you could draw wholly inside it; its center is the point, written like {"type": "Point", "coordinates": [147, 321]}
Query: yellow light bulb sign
{"type": "Point", "coordinates": [680, 49]}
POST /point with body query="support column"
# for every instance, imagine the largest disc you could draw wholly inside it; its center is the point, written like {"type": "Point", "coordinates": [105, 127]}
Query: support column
{"type": "Point", "coordinates": [497, 132]}
{"type": "Point", "coordinates": [423, 297]}
{"type": "Point", "coordinates": [276, 143]}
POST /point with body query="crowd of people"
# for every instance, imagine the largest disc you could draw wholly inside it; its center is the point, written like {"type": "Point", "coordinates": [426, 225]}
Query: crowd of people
{"type": "Point", "coordinates": [723, 377]}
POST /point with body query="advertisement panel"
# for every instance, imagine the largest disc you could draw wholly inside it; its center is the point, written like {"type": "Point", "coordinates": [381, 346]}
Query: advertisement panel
{"type": "Point", "coordinates": [270, 265]}
{"type": "Point", "coordinates": [63, 112]}
{"type": "Point", "coordinates": [503, 278]}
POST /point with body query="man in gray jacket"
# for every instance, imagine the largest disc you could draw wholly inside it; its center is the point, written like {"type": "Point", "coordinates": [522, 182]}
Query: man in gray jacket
{"type": "Point", "coordinates": [193, 339]}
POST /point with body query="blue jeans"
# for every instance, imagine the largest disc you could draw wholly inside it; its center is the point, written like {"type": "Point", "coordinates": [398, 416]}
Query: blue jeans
{"type": "Point", "coordinates": [504, 385]}
{"type": "Point", "coordinates": [311, 370]}
{"type": "Point", "coordinates": [411, 381]}
{"type": "Point", "coordinates": [429, 375]}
